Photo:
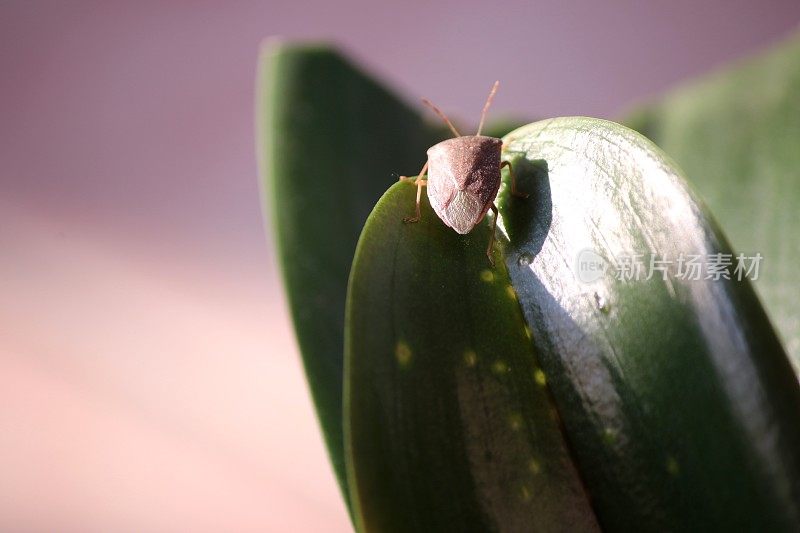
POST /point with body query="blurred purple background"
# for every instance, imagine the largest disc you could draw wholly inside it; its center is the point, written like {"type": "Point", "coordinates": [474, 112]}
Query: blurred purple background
{"type": "Point", "coordinates": [149, 380]}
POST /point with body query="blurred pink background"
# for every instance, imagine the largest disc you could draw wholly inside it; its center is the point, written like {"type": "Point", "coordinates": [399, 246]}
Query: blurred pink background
{"type": "Point", "coordinates": [149, 380]}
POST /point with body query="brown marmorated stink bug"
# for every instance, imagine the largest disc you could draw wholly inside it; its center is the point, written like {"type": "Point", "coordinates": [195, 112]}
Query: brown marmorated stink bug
{"type": "Point", "coordinates": [464, 177]}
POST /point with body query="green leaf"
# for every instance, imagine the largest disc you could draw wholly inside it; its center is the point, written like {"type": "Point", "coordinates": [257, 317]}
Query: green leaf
{"type": "Point", "coordinates": [449, 426]}
{"type": "Point", "coordinates": [329, 140]}
{"type": "Point", "coordinates": [677, 398]}
{"type": "Point", "coordinates": [736, 133]}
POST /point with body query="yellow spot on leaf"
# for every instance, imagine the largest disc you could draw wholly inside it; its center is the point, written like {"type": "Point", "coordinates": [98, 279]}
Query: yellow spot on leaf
{"type": "Point", "coordinates": [499, 367]}
{"type": "Point", "coordinates": [539, 377]}
{"type": "Point", "coordinates": [534, 467]}
{"type": "Point", "coordinates": [609, 436]}
{"type": "Point", "coordinates": [402, 353]}
{"type": "Point", "coordinates": [470, 358]}
{"type": "Point", "coordinates": [673, 468]}
{"type": "Point", "coordinates": [511, 293]}
{"type": "Point", "coordinates": [487, 276]}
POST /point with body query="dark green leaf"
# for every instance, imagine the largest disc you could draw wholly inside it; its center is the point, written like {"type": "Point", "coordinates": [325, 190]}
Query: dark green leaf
{"type": "Point", "coordinates": [736, 134]}
{"type": "Point", "coordinates": [448, 422]}
{"type": "Point", "coordinates": [330, 139]}
{"type": "Point", "coordinates": [676, 395]}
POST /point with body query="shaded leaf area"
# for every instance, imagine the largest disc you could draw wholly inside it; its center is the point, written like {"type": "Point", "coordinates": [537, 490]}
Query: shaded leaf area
{"type": "Point", "coordinates": [449, 425]}
{"type": "Point", "coordinates": [331, 140]}
{"type": "Point", "coordinates": [677, 397]}
{"type": "Point", "coordinates": [736, 134]}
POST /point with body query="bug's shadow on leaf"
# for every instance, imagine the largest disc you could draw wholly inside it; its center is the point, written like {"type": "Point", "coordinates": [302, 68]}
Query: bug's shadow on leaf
{"type": "Point", "coordinates": [528, 219]}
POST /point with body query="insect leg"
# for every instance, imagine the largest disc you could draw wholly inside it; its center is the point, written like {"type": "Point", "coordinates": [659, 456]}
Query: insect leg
{"type": "Point", "coordinates": [490, 248]}
{"type": "Point", "coordinates": [420, 183]}
{"type": "Point", "coordinates": [514, 190]}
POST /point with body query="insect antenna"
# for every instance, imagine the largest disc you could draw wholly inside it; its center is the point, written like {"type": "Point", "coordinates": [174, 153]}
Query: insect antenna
{"type": "Point", "coordinates": [486, 105]}
{"type": "Point", "coordinates": [442, 116]}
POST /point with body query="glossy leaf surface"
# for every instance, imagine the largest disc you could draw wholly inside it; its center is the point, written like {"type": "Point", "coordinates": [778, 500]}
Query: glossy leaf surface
{"type": "Point", "coordinates": [676, 395]}
{"type": "Point", "coordinates": [736, 133]}
{"type": "Point", "coordinates": [449, 423]}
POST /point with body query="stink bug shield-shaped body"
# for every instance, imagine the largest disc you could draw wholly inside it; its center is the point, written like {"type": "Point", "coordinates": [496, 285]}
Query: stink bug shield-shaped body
{"type": "Point", "coordinates": [464, 177]}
